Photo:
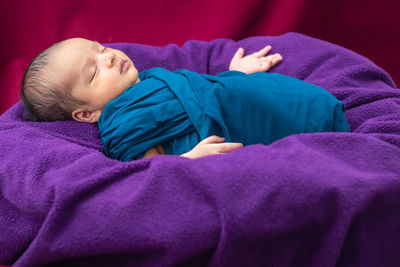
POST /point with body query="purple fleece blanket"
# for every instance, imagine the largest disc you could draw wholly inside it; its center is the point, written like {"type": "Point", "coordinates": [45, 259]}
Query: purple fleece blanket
{"type": "Point", "coordinates": [320, 199]}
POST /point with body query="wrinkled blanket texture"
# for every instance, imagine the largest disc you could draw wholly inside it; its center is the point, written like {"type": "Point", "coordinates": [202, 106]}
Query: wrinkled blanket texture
{"type": "Point", "coordinates": [320, 199]}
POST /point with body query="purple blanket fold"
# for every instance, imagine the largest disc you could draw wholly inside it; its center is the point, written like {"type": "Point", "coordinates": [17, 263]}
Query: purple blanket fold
{"type": "Point", "coordinates": [321, 199]}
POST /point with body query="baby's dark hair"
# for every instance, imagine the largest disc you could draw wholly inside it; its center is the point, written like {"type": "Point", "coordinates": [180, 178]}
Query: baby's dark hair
{"type": "Point", "coordinates": [44, 97]}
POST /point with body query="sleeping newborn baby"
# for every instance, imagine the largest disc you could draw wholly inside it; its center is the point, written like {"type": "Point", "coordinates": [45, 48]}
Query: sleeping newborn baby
{"type": "Point", "coordinates": [181, 112]}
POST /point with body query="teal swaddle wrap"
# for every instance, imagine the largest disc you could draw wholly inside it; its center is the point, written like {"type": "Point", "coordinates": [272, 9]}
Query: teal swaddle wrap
{"type": "Point", "coordinates": [179, 109]}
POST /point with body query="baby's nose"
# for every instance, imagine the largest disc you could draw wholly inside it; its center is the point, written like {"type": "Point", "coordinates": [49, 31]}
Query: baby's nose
{"type": "Point", "coordinates": [110, 60]}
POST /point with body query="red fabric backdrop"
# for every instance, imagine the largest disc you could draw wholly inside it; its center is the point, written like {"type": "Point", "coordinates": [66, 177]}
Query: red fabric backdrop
{"type": "Point", "coordinates": [371, 28]}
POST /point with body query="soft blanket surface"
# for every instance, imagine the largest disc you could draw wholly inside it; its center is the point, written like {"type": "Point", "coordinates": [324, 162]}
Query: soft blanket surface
{"type": "Point", "coordinates": [320, 199]}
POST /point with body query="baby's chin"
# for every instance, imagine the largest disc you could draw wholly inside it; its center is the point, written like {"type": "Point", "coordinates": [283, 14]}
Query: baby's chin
{"type": "Point", "coordinates": [134, 78]}
{"type": "Point", "coordinates": [135, 81]}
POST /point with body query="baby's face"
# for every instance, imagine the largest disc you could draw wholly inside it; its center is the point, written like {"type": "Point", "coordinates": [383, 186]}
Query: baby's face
{"type": "Point", "coordinates": [96, 74]}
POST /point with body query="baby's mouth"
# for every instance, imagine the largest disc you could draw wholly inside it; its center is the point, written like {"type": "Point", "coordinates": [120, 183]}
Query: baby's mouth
{"type": "Point", "coordinates": [122, 66]}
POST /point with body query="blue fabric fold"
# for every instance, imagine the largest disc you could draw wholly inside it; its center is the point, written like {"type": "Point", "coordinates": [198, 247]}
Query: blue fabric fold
{"type": "Point", "coordinates": [179, 109]}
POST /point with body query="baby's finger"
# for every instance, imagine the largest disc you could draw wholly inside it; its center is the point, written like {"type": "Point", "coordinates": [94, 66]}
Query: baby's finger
{"type": "Point", "coordinates": [276, 58]}
{"type": "Point", "coordinates": [263, 51]}
{"type": "Point", "coordinates": [273, 56]}
{"type": "Point", "coordinates": [238, 54]}
{"type": "Point", "coordinates": [270, 61]}
{"type": "Point", "coordinates": [228, 147]}
{"type": "Point", "coordinates": [213, 139]}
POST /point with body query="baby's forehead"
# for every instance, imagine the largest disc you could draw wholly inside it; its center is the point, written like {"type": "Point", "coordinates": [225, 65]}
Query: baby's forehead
{"type": "Point", "coordinates": [72, 50]}
{"type": "Point", "coordinates": [73, 57]}
{"type": "Point", "coordinates": [64, 66]}
{"type": "Point", "coordinates": [76, 44]}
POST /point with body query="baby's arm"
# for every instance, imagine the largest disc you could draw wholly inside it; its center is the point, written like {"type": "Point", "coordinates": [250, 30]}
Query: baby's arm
{"type": "Point", "coordinates": [256, 62]}
{"type": "Point", "coordinates": [209, 146]}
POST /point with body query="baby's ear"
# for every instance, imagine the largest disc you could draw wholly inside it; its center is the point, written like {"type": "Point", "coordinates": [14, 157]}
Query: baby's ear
{"type": "Point", "coordinates": [84, 115]}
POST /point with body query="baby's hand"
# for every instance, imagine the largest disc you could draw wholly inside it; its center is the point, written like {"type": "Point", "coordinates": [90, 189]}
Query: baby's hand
{"type": "Point", "coordinates": [256, 62]}
{"type": "Point", "coordinates": [210, 146]}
